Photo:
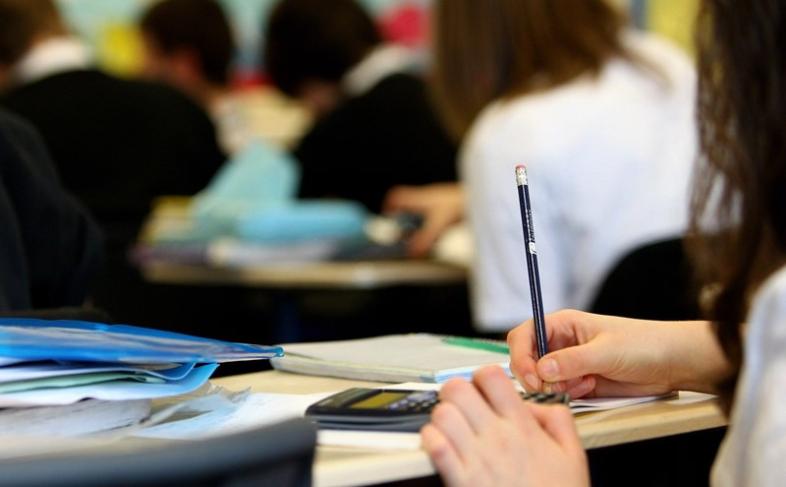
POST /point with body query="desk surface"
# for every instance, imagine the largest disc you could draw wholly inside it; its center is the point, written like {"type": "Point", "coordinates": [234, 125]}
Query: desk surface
{"type": "Point", "coordinates": [347, 466]}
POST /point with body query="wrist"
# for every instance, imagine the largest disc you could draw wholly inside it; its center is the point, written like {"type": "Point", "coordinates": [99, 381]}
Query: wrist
{"type": "Point", "coordinates": [696, 361]}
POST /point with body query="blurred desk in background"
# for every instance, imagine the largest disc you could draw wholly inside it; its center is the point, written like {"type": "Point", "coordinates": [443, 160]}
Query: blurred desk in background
{"type": "Point", "coordinates": [333, 275]}
{"type": "Point", "coordinates": [283, 300]}
{"type": "Point", "coordinates": [172, 214]}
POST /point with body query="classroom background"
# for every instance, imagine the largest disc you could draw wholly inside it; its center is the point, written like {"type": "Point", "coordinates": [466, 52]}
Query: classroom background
{"type": "Point", "coordinates": [194, 286]}
{"type": "Point", "coordinates": [281, 311]}
{"type": "Point", "coordinates": [110, 27]}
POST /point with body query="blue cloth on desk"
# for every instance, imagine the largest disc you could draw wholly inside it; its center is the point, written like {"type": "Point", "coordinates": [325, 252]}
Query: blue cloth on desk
{"type": "Point", "coordinates": [312, 220]}
{"type": "Point", "coordinates": [253, 199]}
{"type": "Point", "coordinates": [257, 177]}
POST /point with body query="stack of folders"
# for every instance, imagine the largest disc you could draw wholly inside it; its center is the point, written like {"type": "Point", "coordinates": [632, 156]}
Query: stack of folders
{"type": "Point", "coordinates": [69, 378]}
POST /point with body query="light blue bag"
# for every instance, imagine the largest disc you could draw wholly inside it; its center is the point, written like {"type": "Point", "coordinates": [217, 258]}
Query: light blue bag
{"type": "Point", "coordinates": [258, 177]}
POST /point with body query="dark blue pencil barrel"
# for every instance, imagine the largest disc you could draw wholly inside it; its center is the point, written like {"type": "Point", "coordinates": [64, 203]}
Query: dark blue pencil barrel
{"type": "Point", "coordinates": [530, 253]}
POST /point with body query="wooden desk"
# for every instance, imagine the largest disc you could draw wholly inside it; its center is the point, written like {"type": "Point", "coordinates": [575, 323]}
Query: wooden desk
{"type": "Point", "coordinates": [333, 275]}
{"type": "Point", "coordinates": [350, 466]}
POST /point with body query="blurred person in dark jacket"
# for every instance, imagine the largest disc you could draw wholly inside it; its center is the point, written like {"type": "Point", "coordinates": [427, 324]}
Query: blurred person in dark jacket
{"type": "Point", "coordinates": [49, 247]}
{"type": "Point", "coordinates": [116, 143]}
{"type": "Point", "coordinates": [375, 127]}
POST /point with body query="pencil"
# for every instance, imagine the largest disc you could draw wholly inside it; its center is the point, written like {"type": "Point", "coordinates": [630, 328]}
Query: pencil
{"type": "Point", "coordinates": [530, 251]}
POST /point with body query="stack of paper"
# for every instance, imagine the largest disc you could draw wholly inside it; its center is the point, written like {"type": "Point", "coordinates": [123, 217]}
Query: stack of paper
{"type": "Point", "coordinates": [59, 363]}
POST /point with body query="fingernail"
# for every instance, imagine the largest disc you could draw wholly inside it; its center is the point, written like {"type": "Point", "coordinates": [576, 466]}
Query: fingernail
{"type": "Point", "coordinates": [532, 381]}
{"type": "Point", "coordinates": [549, 369]}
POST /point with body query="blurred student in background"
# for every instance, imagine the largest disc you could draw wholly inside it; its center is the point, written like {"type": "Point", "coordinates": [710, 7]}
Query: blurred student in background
{"type": "Point", "coordinates": [375, 126]}
{"type": "Point", "coordinates": [117, 144]}
{"type": "Point", "coordinates": [189, 45]}
{"type": "Point", "coordinates": [50, 249]}
{"type": "Point", "coordinates": [601, 115]}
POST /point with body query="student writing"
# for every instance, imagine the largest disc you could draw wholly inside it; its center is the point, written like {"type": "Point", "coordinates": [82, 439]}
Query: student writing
{"type": "Point", "coordinates": [483, 435]}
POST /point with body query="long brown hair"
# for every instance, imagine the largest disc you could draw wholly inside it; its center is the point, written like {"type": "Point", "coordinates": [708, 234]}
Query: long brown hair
{"type": "Point", "coordinates": [488, 49]}
{"type": "Point", "coordinates": [740, 181]}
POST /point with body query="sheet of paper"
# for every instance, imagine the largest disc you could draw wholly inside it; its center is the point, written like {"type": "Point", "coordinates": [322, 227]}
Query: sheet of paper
{"type": "Point", "coordinates": [109, 391]}
{"type": "Point", "coordinates": [688, 397]}
{"type": "Point", "coordinates": [576, 405]}
{"type": "Point", "coordinates": [78, 419]}
{"type": "Point", "coordinates": [74, 381]}
{"type": "Point", "coordinates": [606, 403]}
{"type": "Point", "coordinates": [369, 439]}
{"type": "Point", "coordinates": [40, 370]}
{"type": "Point", "coordinates": [255, 411]}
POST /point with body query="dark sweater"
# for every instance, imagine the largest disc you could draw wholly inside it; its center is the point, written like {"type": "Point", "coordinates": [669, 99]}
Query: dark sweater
{"type": "Point", "coordinates": [387, 136]}
{"type": "Point", "coordinates": [118, 144]}
{"type": "Point", "coordinates": [49, 247]}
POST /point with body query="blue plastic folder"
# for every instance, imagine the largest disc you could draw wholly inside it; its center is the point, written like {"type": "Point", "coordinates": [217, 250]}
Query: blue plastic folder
{"type": "Point", "coordinates": [24, 340]}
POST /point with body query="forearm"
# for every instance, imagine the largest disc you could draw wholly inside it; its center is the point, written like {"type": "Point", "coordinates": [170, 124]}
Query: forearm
{"type": "Point", "coordinates": [697, 362]}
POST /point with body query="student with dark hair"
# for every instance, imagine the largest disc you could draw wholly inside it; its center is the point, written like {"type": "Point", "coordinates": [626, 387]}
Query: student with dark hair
{"type": "Point", "coordinates": [375, 125]}
{"type": "Point", "coordinates": [49, 248]}
{"type": "Point", "coordinates": [117, 144]}
{"type": "Point", "coordinates": [189, 45]}
{"type": "Point", "coordinates": [483, 434]}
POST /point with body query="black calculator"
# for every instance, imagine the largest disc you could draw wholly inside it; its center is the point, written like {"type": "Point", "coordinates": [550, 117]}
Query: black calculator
{"type": "Point", "coordinates": [389, 409]}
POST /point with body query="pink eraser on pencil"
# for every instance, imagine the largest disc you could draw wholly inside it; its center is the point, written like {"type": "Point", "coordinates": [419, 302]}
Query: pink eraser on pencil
{"type": "Point", "coordinates": [521, 166]}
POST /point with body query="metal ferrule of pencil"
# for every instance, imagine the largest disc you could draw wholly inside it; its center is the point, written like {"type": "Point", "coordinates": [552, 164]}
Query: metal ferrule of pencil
{"type": "Point", "coordinates": [531, 255]}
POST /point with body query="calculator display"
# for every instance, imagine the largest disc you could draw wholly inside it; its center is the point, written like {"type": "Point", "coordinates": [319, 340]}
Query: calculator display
{"type": "Point", "coordinates": [379, 400]}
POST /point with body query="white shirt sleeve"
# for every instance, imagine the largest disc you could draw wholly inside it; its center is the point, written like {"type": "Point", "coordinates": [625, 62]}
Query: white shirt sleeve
{"type": "Point", "coordinates": [754, 450]}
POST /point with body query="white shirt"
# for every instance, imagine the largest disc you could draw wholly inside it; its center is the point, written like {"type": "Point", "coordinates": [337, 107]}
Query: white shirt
{"type": "Point", "coordinates": [609, 160]}
{"type": "Point", "coordinates": [381, 62]}
{"type": "Point", "coordinates": [753, 453]}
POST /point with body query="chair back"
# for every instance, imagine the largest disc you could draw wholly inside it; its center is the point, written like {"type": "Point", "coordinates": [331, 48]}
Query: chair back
{"type": "Point", "coordinates": [654, 281]}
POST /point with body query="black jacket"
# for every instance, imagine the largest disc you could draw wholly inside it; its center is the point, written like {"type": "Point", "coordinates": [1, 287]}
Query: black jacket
{"type": "Point", "coordinates": [49, 247]}
{"type": "Point", "coordinates": [385, 137]}
{"type": "Point", "coordinates": [117, 143]}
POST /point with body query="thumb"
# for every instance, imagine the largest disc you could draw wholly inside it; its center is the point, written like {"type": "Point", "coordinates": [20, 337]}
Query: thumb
{"type": "Point", "coordinates": [573, 362]}
{"type": "Point", "coordinates": [422, 241]}
{"type": "Point", "coordinates": [397, 199]}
